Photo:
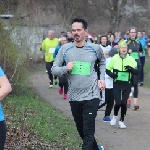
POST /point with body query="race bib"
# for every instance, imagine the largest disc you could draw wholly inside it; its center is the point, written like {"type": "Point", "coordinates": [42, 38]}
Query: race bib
{"type": "Point", "coordinates": [123, 76]}
{"type": "Point", "coordinates": [51, 50]}
{"type": "Point", "coordinates": [81, 68]}
{"type": "Point", "coordinates": [135, 55]}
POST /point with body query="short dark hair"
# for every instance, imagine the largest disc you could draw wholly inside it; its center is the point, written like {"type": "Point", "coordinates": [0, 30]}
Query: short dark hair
{"type": "Point", "coordinates": [84, 23]}
{"type": "Point", "coordinates": [132, 28]}
{"type": "Point", "coordinates": [102, 37]}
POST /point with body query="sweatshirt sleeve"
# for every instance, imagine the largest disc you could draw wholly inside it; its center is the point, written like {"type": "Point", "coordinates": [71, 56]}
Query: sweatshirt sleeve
{"type": "Point", "coordinates": [102, 64]}
{"type": "Point", "coordinates": [110, 65]}
{"type": "Point", "coordinates": [56, 51]}
{"type": "Point", "coordinates": [57, 68]}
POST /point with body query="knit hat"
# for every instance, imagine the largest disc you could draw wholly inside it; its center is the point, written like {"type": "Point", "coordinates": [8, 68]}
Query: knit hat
{"type": "Point", "coordinates": [120, 44]}
{"type": "Point", "coordinates": [112, 52]}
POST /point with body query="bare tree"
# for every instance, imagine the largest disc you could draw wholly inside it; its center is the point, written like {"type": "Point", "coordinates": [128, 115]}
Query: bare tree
{"type": "Point", "coordinates": [115, 7]}
{"type": "Point", "coordinates": [69, 9]}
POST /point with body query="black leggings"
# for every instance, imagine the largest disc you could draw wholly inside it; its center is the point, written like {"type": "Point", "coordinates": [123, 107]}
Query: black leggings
{"type": "Point", "coordinates": [48, 68]}
{"type": "Point", "coordinates": [109, 100]}
{"type": "Point", "coordinates": [135, 82]}
{"type": "Point", "coordinates": [121, 101]}
{"type": "Point", "coordinates": [142, 59]}
{"type": "Point", "coordinates": [2, 134]}
{"type": "Point", "coordinates": [63, 83]}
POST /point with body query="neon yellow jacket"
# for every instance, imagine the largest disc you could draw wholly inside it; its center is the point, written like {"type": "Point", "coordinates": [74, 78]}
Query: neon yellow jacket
{"type": "Point", "coordinates": [118, 63]}
{"type": "Point", "coordinates": [48, 46]}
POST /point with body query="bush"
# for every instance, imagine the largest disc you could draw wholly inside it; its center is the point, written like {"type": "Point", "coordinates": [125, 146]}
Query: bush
{"type": "Point", "coordinates": [12, 59]}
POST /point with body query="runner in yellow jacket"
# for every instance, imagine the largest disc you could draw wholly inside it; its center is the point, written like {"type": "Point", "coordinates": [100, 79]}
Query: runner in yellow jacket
{"type": "Point", "coordinates": [48, 46]}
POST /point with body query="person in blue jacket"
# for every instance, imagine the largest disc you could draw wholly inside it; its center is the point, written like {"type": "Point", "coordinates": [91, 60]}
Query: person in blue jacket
{"type": "Point", "coordinates": [142, 56]}
{"type": "Point", "coordinates": [63, 83]}
{"type": "Point", "coordinates": [5, 88]}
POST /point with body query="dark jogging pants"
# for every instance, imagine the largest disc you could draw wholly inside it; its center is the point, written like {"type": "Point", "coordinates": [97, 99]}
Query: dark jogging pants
{"type": "Point", "coordinates": [84, 113]}
{"type": "Point", "coordinates": [2, 134]}
{"type": "Point", "coordinates": [48, 68]}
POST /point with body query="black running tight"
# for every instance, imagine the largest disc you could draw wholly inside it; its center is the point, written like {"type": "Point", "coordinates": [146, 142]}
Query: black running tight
{"type": "Point", "coordinates": [2, 134]}
{"type": "Point", "coordinates": [121, 101]}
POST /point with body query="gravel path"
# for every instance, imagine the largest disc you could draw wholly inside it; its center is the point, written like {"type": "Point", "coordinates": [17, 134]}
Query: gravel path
{"type": "Point", "coordinates": [135, 137]}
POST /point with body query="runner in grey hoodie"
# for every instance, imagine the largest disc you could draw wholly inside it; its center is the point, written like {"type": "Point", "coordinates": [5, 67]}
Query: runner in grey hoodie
{"type": "Point", "coordinates": [83, 93]}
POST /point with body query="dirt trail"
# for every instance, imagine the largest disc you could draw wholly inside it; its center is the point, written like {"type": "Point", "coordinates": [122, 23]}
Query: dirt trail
{"type": "Point", "coordinates": [135, 137]}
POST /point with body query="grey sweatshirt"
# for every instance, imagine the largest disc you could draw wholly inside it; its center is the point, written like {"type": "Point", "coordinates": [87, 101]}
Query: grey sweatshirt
{"type": "Point", "coordinates": [81, 87]}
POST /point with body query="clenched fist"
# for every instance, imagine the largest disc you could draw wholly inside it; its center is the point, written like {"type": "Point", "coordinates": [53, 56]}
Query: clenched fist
{"type": "Point", "coordinates": [70, 66]}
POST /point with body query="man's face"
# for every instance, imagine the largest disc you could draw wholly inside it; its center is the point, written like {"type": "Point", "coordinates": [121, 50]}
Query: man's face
{"type": "Point", "coordinates": [78, 32]}
{"type": "Point", "coordinates": [132, 34]}
{"type": "Point", "coordinates": [63, 40]}
{"type": "Point", "coordinates": [51, 34]}
{"type": "Point", "coordinates": [139, 35]}
{"type": "Point", "coordinates": [69, 34]}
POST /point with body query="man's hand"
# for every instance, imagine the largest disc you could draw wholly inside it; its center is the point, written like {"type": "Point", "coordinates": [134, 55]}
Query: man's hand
{"type": "Point", "coordinates": [130, 51]}
{"type": "Point", "coordinates": [70, 66]}
{"type": "Point", "coordinates": [101, 84]}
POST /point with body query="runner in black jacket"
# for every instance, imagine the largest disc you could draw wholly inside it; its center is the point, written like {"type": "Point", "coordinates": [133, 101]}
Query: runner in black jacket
{"type": "Point", "coordinates": [135, 50]}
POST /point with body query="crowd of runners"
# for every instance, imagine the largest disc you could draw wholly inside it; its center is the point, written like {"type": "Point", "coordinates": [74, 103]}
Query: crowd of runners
{"type": "Point", "coordinates": [94, 71]}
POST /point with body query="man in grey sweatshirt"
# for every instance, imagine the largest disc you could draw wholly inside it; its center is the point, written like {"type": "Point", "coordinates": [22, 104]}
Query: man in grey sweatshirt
{"type": "Point", "coordinates": [84, 86]}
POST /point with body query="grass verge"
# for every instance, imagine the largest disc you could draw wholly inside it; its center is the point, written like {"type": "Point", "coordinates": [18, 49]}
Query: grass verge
{"type": "Point", "coordinates": [46, 121]}
{"type": "Point", "coordinates": [147, 73]}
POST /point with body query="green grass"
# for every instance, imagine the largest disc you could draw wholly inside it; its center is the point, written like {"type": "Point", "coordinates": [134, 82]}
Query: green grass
{"type": "Point", "coordinates": [51, 125]}
{"type": "Point", "coordinates": [147, 74]}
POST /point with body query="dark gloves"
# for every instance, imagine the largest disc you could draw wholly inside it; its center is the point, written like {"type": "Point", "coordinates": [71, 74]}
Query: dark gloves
{"type": "Point", "coordinates": [132, 70]}
{"type": "Point", "coordinates": [112, 75]}
{"type": "Point", "coordinates": [128, 68]}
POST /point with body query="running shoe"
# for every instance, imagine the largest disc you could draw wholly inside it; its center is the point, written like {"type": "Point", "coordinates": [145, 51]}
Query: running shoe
{"type": "Point", "coordinates": [122, 125]}
{"type": "Point", "coordinates": [55, 81]}
{"type": "Point", "coordinates": [141, 84]}
{"type": "Point", "coordinates": [135, 107]}
{"type": "Point", "coordinates": [100, 147]}
{"type": "Point", "coordinates": [65, 96]}
{"type": "Point", "coordinates": [106, 119]}
{"type": "Point", "coordinates": [51, 85]}
{"type": "Point", "coordinates": [60, 91]}
{"type": "Point", "coordinates": [113, 120]}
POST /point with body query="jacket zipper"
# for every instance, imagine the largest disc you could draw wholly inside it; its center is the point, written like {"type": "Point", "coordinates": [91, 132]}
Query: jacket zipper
{"type": "Point", "coordinates": [122, 64]}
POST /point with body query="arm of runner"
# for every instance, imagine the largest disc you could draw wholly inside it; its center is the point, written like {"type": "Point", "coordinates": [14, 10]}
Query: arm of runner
{"type": "Point", "coordinates": [5, 86]}
{"type": "Point", "coordinates": [58, 68]}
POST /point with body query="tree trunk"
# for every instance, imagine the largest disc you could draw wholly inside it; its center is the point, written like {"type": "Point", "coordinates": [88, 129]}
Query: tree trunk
{"type": "Point", "coordinates": [113, 19]}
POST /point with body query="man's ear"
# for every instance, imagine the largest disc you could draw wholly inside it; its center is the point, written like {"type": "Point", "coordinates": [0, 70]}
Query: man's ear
{"type": "Point", "coordinates": [86, 31]}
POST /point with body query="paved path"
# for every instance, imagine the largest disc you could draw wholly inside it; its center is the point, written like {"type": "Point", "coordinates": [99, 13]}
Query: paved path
{"type": "Point", "coordinates": [135, 137]}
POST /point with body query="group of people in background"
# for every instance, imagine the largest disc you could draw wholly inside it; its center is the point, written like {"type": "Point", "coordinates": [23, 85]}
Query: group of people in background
{"type": "Point", "coordinates": [124, 64]}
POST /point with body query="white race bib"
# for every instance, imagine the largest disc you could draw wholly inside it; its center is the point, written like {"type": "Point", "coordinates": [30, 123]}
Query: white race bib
{"type": "Point", "coordinates": [51, 50]}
